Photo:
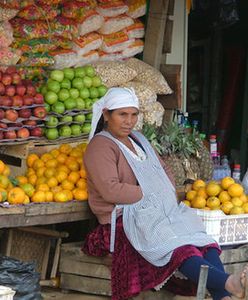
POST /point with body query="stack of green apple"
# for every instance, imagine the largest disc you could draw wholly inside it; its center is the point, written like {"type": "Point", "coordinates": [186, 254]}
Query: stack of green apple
{"type": "Point", "coordinates": [69, 95]}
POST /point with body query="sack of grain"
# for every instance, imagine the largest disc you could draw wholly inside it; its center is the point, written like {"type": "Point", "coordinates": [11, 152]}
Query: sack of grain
{"type": "Point", "coordinates": [140, 122]}
{"type": "Point", "coordinates": [153, 114]}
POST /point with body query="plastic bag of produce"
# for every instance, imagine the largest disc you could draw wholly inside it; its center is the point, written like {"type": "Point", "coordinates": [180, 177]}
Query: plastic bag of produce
{"type": "Point", "coordinates": [9, 56]}
{"type": "Point", "coordinates": [15, 4]}
{"type": "Point", "coordinates": [86, 43]}
{"type": "Point", "coordinates": [112, 9]}
{"type": "Point", "coordinates": [149, 76]}
{"type": "Point", "coordinates": [6, 34]}
{"type": "Point", "coordinates": [136, 47]}
{"type": "Point", "coordinates": [136, 30]}
{"type": "Point", "coordinates": [64, 58]}
{"type": "Point", "coordinates": [136, 8]}
{"type": "Point", "coordinates": [114, 73]}
{"type": "Point", "coordinates": [104, 56]}
{"type": "Point", "coordinates": [38, 59]}
{"type": "Point", "coordinates": [7, 14]}
{"type": "Point", "coordinates": [115, 42]}
{"type": "Point", "coordinates": [65, 28]}
{"type": "Point", "coordinates": [115, 24]}
{"type": "Point", "coordinates": [87, 58]}
{"type": "Point", "coordinates": [74, 9]}
{"type": "Point", "coordinates": [42, 12]}
{"type": "Point", "coordinates": [153, 114]}
{"type": "Point", "coordinates": [139, 125]}
{"type": "Point", "coordinates": [91, 21]}
{"type": "Point", "coordinates": [34, 45]}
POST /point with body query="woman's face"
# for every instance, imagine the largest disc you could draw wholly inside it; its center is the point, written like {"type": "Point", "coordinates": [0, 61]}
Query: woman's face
{"type": "Point", "coordinates": [121, 121]}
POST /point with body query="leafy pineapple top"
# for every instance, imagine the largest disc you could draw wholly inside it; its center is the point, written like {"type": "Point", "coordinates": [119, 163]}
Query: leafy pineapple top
{"type": "Point", "coordinates": [172, 138]}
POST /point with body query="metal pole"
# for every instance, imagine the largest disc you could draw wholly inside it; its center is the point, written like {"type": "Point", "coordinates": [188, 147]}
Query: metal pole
{"type": "Point", "coordinates": [201, 288]}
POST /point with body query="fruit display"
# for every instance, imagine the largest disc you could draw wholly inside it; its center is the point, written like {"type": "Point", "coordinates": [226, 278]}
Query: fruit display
{"type": "Point", "coordinates": [57, 175]}
{"type": "Point", "coordinates": [69, 95]}
{"type": "Point", "coordinates": [22, 107]}
{"type": "Point", "coordinates": [226, 195]}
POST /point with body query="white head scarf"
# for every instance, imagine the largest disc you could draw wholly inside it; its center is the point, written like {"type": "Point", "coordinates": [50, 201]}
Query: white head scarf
{"type": "Point", "coordinates": [114, 98]}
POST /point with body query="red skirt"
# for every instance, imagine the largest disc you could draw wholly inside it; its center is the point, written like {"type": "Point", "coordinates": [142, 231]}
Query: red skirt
{"type": "Point", "coordinates": [130, 272]}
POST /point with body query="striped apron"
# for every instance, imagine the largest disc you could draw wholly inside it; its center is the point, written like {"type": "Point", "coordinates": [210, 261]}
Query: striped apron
{"type": "Point", "coordinates": [156, 225]}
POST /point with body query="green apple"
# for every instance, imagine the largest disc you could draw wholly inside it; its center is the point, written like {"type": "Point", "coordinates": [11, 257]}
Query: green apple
{"type": "Point", "coordinates": [51, 97]}
{"type": "Point", "coordinates": [80, 103]}
{"type": "Point", "coordinates": [65, 84]}
{"type": "Point", "coordinates": [79, 72]}
{"type": "Point", "coordinates": [57, 75]}
{"type": "Point", "coordinates": [85, 128]}
{"type": "Point", "coordinates": [96, 81]}
{"type": "Point", "coordinates": [47, 107]}
{"type": "Point", "coordinates": [102, 90]}
{"type": "Point", "coordinates": [84, 93]}
{"type": "Point", "coordinates": [63, 95]}
{"type": "Point", "coordinates": [53, 85]}
{"type": "Point", "coordinates": [94, 100]}
{"type": "Point", "coordinates": [75, 129]}
{"type": "Point", "coordinates": [51, 133]}
{"type": "Point", "coordinates": [77, 83]}
{"type": "Point", "coordinates": [68, 73]}
{"type": "Point", "coordinates": [89, 71]}
{"type": "Point", "coordinates": [89, 116]}
{"type": "Point", "coordinates": [93, 92]}
{"type": "Point", "coordinates": [58, 107]}
{"type": "Point", "coordinates": [88, 103]}
{"type": "Point", "coordinates": [66, 119]}
{"type": "Point", "coordinates": [43, 90]}
{"type": "Point", "coordinates": [65, 131]}
{"type": "Point", "coordinates": [52, 121]}
{"type": "Point", "coordinates": [74, 93]}
{"type": "Point", "coordinates": [87, 81]}
{"type": "Point", "coordinates": [79, 118]}
{"type": "Point", "coordinates": [70, 104]}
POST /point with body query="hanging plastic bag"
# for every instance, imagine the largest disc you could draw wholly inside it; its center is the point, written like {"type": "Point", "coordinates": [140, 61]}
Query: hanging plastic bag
{"type": "Point", "coordinates": [245, 182]}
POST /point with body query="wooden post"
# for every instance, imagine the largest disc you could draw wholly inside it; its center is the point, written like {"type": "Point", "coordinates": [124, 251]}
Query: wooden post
{"type": "Point", "coordinates": [155, 32]}
{"type": "Point", "coordinates": [201, 289]}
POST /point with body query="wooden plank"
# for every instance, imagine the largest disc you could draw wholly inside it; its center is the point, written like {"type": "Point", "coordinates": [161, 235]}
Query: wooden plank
{"type": "Point", "coordinates": [72, 266]}
{"type": "Point", "coordinates": [56, 259]}
{"type": "Point", "coordinates": [45, 232]}
{"type": "Point", "coordinates": [19, 151]}
{"type": "Point", "coordinates": [85, 284]}
{"type": "Point", "coordinates": [155, 32]}
{"type": "Point", "coordinates": [234, 255]}
{"type": "Point", "coordinates": [12, 210]}
{"type": "Point", "coordinates": [167, 46]}
{"type": "Point", "coordinates": [45, 260]}
{"type": "Point", "coordinates": [171, 8]}
{"type": "Point", "coordinates": [234, 268]}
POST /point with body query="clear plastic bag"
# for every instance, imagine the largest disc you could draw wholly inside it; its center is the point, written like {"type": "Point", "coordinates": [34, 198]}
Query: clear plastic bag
{"type": "Point", "coordinates": [115, 24]}
{"type": "Point", "coordinates": [6, 34]}
{"type": "Point", "coordinates": [245, 182]}
{"type": "Point", "coordinates": [116, 42]}
{"type": "Point", "coordinates": [135, 48]}
{"type": "Point", "coordinates": [91, 21]}
{"type": "Point", "coordinates": [112, 9]}
{"type": "Point", "coordinates": [86, 43]}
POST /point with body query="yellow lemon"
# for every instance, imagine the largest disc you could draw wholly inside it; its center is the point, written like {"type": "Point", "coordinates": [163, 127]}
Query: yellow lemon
{"type": "Point", "coordinates": [235, 190]}
{"type": "Point", "coordinates": [190, 195]}
{"type": "Point", "coordinates": [226, 207]}
{"type": "Point", "coordinates": [213, 189]}
{"type": "Point", "coordinates": [198, 184]}
{"type": "Point", "coordinates": [237, 210]}
{"type": "Point", "coordinates": [224, 196]}
{"type": "Point", "coordinates": [226, 182]}
{"type": "Point", "coordinates": [187, 202]}
{"type": "Point", "coordinates": [244, 198]}
{"type": "Point", "coordinates": [236, 201]}
{"type": "Point", "coordinates": [202, 192]}
{"type": "Point", "coordinates": [198, 202]}
{"type": "Point", "coordinates": [245, 207]}
{"type": "Point", "coordinates": [213, 202]}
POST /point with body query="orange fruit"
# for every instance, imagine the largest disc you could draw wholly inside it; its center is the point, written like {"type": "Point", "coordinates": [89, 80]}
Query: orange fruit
{"type": "Point", "coordinates": [213, 202]}
{"type": "Point", "coordinates": [198, 184]}
{"type": "Point", "coordinates": [80, 195]}
{"type": "Point", "coordinates": [32, 179]}
{"type": "Point", "coordinates": [65, 148]}
{"type": "Point", "coordinates": [244, 198]}
{"type": "Point", "coordinates": [80, 161]}
{"type": "Point", "coordinates": [6, 170]}
{"type": "Point", "coordinates": [40, 171]}
{"type": "Point", "coordinates": [64, 169]}
{"type": "Point", "coordinates": [236, 201]}
{"type": "Point", "coordinates": [69, 195]}
{"type": "Point", "coordinates": [16, 196]}
{"type": "Point", "coordinates": [60, 197]}
{"type": "Point", "coordinates": [67, 185]}
{"type": "Point", "coordinates": [235, 190]}
{"type": "Point", "coordinates": [28, 189]}
{"type": "Point", "coordinates": [46, 156]}
{"type": "Point", "coordinates": [30, 171]}
{"type": "Point", "coordinates": [82, 173]}
{"type": "Point", "coordinates": [54, 153]}
{"type": "Point", "coordinates": [82, 184]}
{"type": "Point", "coordinates": [72, 164]}
{"type": "Point", "coordinates": [41, 180]}
{"type": "Point", "coordinates": [75, 153]}
{"type": "Point", "coordinates": [190, 195]}
{"type": "Point", "coordinates": [224, 196]}
{"type": "Point", "coordinates": [237, 210]}
{"type": "Point", "coordinates": [39, 196]}
{"type": "Point", "coordinates": [73, 176]}
{"type": "Point", "coordinates": [226, 182]}
{"type": "Point", "coordinates": [198, 202]}
{"type": "Point", "coordinates": [226, 207]}
{"type": "Point", "coordinates": [52, 182]}
{"type": "Point", "coordinates": [31, 159]}
{"type": "Point", "coordinates": [202, 192]}
{"type": "Point", "coordinates": [61, 176]}
{"type": "Point", "coordinates": [2, 166]}
{"type": "Point", "coordinates": [56, 189]}
{"type": "Point", "coordinates": [49, 172]}
{"type": "Point", "coordinates": [61, 158]}
{"type": "Point", "coordinates": [22, 179]}
{"type": "Point", "coordinates": [51, 163]}
{"type": "Point", "coordinates": [42, 187]}
{"type": "Point", "coordinates": [213, 189]}
{"type": "Point", "coordinates": [38, 163]}
{"type": "Point", "coordinates": [49, 196]}
{"type": "Point", "coordinates": [187, 202]}
{"type": "Point", "coordinates": [26, 200]}
{"type": "Point", "coordinates": [4, 181]}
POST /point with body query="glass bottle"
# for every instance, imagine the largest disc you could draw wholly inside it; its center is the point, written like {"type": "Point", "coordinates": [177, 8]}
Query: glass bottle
{"type": "Point", "coordinates": [225, 166]}
{"type": "Point", "coordinates": [236, 172]}
{"type": "Point", "coordinates": [213, 145]}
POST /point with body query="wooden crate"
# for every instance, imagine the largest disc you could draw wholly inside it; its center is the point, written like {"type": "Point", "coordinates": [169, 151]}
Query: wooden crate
{"type": "Point", "coordinates": [234, 259]}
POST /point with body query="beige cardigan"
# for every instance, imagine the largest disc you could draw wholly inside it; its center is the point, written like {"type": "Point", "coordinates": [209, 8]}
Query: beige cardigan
{"type": "Point", "coordinates": [110, 179]}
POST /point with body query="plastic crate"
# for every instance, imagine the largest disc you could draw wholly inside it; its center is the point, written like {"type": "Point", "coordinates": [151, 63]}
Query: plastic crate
{"type": "Point", "coordinates": [225, 229]}
{"type": "Point", "coordinates": [6, 293]}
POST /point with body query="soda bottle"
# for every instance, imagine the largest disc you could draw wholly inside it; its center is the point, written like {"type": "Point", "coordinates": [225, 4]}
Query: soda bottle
{"type": "Point", "coordinates": [236, 172]}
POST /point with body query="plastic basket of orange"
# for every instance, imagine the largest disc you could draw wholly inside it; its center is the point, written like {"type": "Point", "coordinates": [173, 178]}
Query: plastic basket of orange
{"type": "Point", "coordinates": [223, 207]}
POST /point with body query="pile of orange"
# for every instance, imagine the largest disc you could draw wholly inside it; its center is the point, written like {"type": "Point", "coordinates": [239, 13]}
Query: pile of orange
{"type": "Point", "coordinates": [226, 195]}
{"type": "Point", "coordinates": [58, 175]}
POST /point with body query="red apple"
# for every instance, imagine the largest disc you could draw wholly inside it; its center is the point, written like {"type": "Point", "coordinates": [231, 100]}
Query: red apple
{"type": "Point", "coordinates": [23, 133]}
{"type": "Point", "coordinates": [5, 101]}
{"type": "Point", "coordinates": [30, 122]}
{"type": "Point", "coordinates": [38, 99]}
{"type": "Point", "coordinates": [37, 131]}
{"type": "Point", "coordinates": [16, 78]}
{"type": "Point", "coordinates": [11, 70]}
{"type": "Point", "coordinates": [25, 113]}
{"type": "Point", "coordinates": [1, 74]}
{"type": "Point", "coordinates": [39, 112]}
{"type": "Point", "coordinates": [20, 89]}
{"type": "Point", "coordinates": [10, 90]}
{"type": "Point", "coordinates": [17, 101]}
{"type": "Point", "coordinates": [31, 90]}
{"type": "Point", "coordinates": [3, 125]}
{"type": "Point", "coordinates": [28, 100]}
{"type": "Point", "coordinates": [2, 88]}
{"type": "Point", "coordinates": [6, 79]}
{"type": "Point", "coordinates": [11, 115]}
{"type": "Point", "coordinates": [2, 114]}
{"type": "Point", "coordinates": [1, 135]}
{"type": "Point", "coordinates": [10, 134]}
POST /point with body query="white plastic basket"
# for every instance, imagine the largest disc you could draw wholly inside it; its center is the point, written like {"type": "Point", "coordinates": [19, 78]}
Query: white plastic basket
{"type": "Point", "coordinates": [225, 229]}
{"type": "Point", "coordinates": [6, 293]}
